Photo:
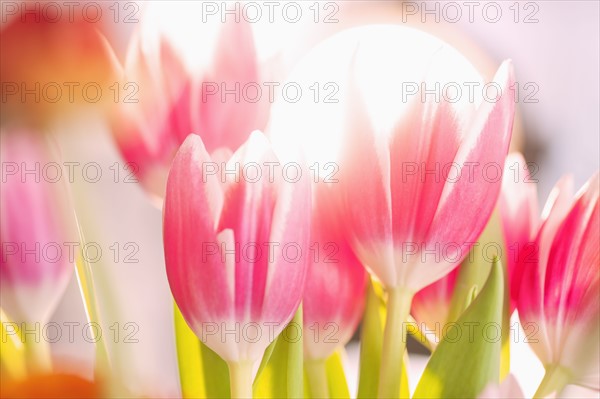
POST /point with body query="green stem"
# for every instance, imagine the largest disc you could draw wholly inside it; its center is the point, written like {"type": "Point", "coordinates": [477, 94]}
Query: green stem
{"type": "Point", "coordinates": [316, 373]}
{"type": "Point", "coordinates": [240, 378]}
{"type": "Point", "coordinates": [394, 342]}
{"type": "Point", "coordinates": [555, 380]}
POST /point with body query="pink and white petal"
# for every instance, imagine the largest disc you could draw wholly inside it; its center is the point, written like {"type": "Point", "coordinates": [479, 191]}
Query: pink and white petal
{"type": "Point", "coordinates": [290, 235]}
{"type": "Point", "coordinates": [228, 119]}
{"type": "Point", "coordinates": [519, 216]}
{"type": "Point", "coordinates": [531, 295]}
{"type": "Point", "coordinates": [425, 141]}
{"type": "Point", "coordinates": [248, 212]}
{"type": "Point", "coordinates": [365, 197]}
{"type": "Point", "coordinates": [335, 283]}
{"type": "Point", "coordinates": [485, 145]}
{"type": "Point", "coordinates": [572, 268]}
{"type": "Point", "coordinates": [197, 275]}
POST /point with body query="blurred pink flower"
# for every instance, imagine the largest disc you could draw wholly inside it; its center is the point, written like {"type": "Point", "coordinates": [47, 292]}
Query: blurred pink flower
{"type": "Point", "coordinates": [431, 306]}
{"type": "Point", "coordinates": [334, 295]}
{"type": "Point", "coordinates": [560, 285]}
{"type": "Point", "coordinates": [173, 102]}
{"type": "Point", "coordinates": [518, 204]}
{"type": "Point", "coordinates": [38, 225]}
{"type": "Point", "coordinates": [394, 217]}
{"type": "Point", "coordinates": [227, 247]}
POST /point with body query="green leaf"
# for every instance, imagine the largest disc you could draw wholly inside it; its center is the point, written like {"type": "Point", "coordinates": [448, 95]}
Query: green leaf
{"type": "Point", "coordinates": [202, 373]}
{"type": "Point", "coordinates": [215, 372]}
{"type": "Point", "coordinates": [265, 359]}
{"type": "Point", "coordinates": [272, 381]}
{"type": "Point", "coordinates": [282, 375]}
{"type": "Point", "coordinates": [336, 378]}
{"type": "Point", "coordinates": [295, 369]}
{"type": "Point", "coordinates": [466, 361]}
{"type": "Point", "coordinates": [474, 271]}
{"type": "Point", "coordinates": [188, 358]}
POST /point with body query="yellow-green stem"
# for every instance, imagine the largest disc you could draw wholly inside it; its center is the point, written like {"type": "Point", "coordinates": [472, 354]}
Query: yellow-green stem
{"type": "Point", "coordinates": [240, 378]}
{"type": "Point", "coordinates": [317, 378]}
{"type": "Point", "coordinates": [394, 342]}
{"type": "Point", "coordinates": [555, 380]}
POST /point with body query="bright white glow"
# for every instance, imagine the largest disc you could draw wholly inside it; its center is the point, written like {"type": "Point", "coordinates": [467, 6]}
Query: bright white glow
{"type": "Point", "coordinates": [194, 31]}
{"type": "Point", "coordinates": [386, 59]}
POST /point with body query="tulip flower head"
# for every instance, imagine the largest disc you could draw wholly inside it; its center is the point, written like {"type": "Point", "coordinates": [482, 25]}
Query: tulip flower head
{"type": "Point", "coordinates": [171, 99]}
{"type": "Point", "coordinates": [395, 217]}
{"type": "Point", "coordinates": [37, 221]}
{"type": "Point", "coordinates": [235, 250]}
{"type": "Point", "coordinates": [560, 288]}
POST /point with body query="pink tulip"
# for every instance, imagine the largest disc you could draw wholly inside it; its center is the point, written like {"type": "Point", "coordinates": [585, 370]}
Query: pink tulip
{"type": "Point", "coordinates": [394, 217]}
{"type": "Point", "coordinates": [37, 226]}
{"type": "Point", "coordinates": [235, 251]}
{"type": "Point", "coordinates": [410, 229]}
{"type": "Point", "coordinates": [560, 288]}
{"type": "Point", "coordinates": [172, 102]}
{"type": "Point", "coordinates": [335, 285]}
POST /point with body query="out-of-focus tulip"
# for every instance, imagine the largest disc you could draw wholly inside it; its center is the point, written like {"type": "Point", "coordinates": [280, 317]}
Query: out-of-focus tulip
{"type": "Point", "coordinates": [518, 205]}
{"type": "Point", "coordinates": [37, 221]}
{"type": "Point", "coordinates": [334, 295]}
{"type": "Point", "coordinates": [235, 251]}
{"type": "Point", "coordinates": [38, 230]}
{"type": "Point", "coordinates": [560, 289]}
{"type": "Point", "coordinates": [217, 100]}
{"type": "Point", "coordinates": [431, 306]}
{"type": "Point", "coordinates": [53, 60]}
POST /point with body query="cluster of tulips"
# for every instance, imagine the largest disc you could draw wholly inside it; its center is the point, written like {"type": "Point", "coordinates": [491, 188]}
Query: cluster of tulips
{"type": "Point", "coordinates": [273, 273]}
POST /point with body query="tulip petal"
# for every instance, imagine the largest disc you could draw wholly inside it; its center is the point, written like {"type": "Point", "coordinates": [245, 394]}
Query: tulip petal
{"type": "Point", "coordinates": [531, 293]}
{"type": "Point", "coordinates": [228, 119]}
{"type": "Point", "coordinates": [333, 299]}
{"type": "Point", "coordinates": [420, 147]}
{"type": "Point", "coordinates": [366, 170]}
{"type": "Point", "coordinates": [195, 269]}
{"type": "Point", "coordinates": [519, 213]}
{"type": "Point", "coordinates": [248, 212]}
{"type": "Point", "coordinates": [485, 145]}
